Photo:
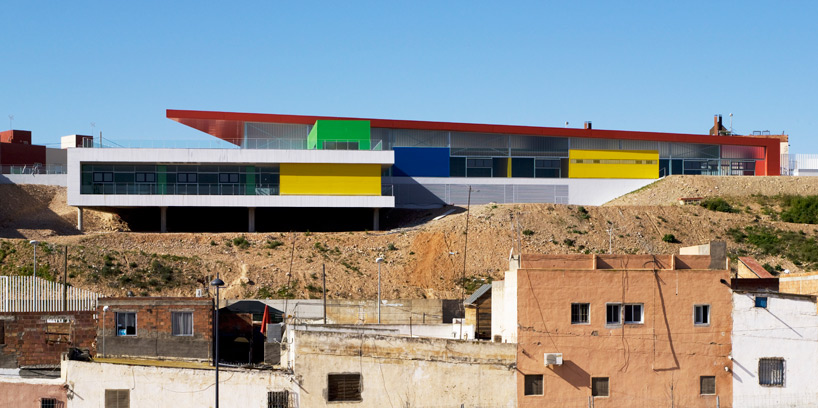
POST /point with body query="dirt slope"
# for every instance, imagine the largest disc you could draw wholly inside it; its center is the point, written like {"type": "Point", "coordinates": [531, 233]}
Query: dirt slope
{"type": "Point", "coordinates": [424, 260]}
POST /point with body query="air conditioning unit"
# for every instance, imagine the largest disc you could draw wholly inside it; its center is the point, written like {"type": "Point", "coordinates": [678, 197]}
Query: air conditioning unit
{"type": "Point", "coordinates": [553, 359]}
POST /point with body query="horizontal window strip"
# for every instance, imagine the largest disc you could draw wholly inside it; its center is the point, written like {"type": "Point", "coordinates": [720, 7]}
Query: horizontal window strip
{"type": "Point", "coordinates": [612, 161]}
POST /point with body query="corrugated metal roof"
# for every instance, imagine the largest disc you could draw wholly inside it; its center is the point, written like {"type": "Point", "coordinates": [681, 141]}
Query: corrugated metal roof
{"type": "Point", "coordinates": [477, 294]}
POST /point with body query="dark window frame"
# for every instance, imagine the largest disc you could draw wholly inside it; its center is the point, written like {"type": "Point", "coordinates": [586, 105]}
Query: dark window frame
{"type": "Point", "coordinates": [533, 385]}
{"type": "Point", "coordinates": [341, 387]}
{"type": "Point", "coordinates": [617, 315]}
{"type": "Point", "coordinates": [597, 387]}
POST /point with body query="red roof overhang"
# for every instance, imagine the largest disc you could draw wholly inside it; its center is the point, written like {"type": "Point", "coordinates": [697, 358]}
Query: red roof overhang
{"type": "Point", "coordinates": [229, 126]}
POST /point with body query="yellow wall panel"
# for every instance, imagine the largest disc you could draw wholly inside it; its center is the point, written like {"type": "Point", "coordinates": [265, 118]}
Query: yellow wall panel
{"type": "Point", "coordinates": [330, 179]}
{"type": "Point", "coordinates": [625, 164]}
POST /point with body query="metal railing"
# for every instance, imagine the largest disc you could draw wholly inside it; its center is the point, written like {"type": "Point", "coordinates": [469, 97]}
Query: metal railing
{"type": "Point", "coordinates": [30, 294]}
{"type": "Point", "coordinates": [248, 143]}
{"type": "Point", "coordinates": [34, 169]}
{"type": "Point", "coordinates": [195, 189]}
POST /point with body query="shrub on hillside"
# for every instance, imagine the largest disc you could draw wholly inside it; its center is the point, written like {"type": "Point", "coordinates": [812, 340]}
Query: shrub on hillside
{"type": "Point", "coordinates": [718, 204]}
{"type": "Point", "coordinates": [801, 210]}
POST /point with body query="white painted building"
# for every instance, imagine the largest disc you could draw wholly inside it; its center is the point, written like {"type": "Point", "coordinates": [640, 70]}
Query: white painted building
{"type": "Point", "coordinates": [775, 350]}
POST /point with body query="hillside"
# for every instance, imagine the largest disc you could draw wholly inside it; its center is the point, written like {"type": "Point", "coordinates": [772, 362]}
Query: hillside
{"type": "Point", "coordinates": [424, 260]}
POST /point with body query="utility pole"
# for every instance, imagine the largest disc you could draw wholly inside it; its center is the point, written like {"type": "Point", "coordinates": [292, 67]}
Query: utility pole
{"type": "Point", "coordinates": [65, 281]}
{"type": "Point", "coordinates": [324, 272]}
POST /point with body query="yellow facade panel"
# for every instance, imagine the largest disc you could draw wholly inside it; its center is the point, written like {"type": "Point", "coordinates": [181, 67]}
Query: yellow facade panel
{"type": "Point", "coordinates": [624, 164]}
{"type": "Point", "coordinates": [330, 179]}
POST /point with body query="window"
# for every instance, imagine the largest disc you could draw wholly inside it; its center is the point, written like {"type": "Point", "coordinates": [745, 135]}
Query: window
{"type": "Point", "coordinates": [478, 167]}
{"type": "Point", "coordinates": [100, 177]}
{"type": "Point", "coordinates": [49, 403]}
{"type": "Point", "coordinates": [701, 315]}
{"type": "Point", "coordinates": [613, 313]}
{"type": "Point", "coordinates": [145, 177]}
{"type": "Point", "coordinates": [181, 323]}
{"type": "Point", "coordinates": [771, 372]}
{"type": "Point", "coordinates": [228, 178]}
{"type": "Point", "coordinates": [117, 398]}
{"type": "Point", "coordinates": [2, 332]}
{"type": "Point", "coordinates": [707, 385]}
{"type": "Point", "coordinates": [633, 314]}
{"type": "Point", "coordinates": [186, 178]}
{"type": "Point", "coordinates": [600, 387]}
{"type": "Point", "coordinates": [761, 301]}
{"type": "Point", "coordinates": [126, 324]}
{"type": "Point", "coordinates": [580, 313]}
{"type": "Point", "coordinates": [344, 387]}
{"type": "Point", "coordinates": [278, 399]}
{"type": "Point", "coordinates": [533, 384]}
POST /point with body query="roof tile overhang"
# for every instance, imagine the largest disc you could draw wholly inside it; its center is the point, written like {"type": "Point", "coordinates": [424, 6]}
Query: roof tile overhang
{"type": "Point", "coordinates": [229, 126]}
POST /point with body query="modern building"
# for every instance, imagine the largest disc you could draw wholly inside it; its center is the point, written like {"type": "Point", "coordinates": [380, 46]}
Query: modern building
{"type": "Point", "coordinates": [618, 330]}
{"type": "Point", "coordinates": [325, 163]}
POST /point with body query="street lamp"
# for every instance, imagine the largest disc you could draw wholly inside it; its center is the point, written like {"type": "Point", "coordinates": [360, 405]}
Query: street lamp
{"type": "Point", "coordinates": [34, 274]}
{"type": "Point", "coordinates": [379, 260]}
{"type": "Point", "coordinates": [217, 283]}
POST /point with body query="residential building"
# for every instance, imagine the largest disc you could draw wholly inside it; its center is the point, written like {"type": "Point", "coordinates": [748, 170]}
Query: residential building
{"type": "Point", "coordinates": [618, 330]}
{"type": "Point", "coordinates": [279, 163]}
{"type": "Point", "coordinates": [36, 340]}
{"type": "Point", "coordinates": [155, 327]}
{"type": "Point", "coordinates": [774, 355]}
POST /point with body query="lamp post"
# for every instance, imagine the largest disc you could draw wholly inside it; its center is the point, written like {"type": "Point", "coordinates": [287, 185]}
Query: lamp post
{"type": "Point", "coordinates": [379, 260]}
{"type": "Point", "coordinates": [34, 274]}
{"type": "Point", "coordinates": [217, 283]}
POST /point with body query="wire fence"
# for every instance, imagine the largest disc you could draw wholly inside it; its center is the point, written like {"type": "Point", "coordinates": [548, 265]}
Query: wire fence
{"type": "Point", "coordinates": [30, 294]}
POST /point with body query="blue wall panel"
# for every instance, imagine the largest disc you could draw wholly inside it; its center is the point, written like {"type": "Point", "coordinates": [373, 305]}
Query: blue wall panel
{"type": "Point", "coordinates": [421, 162]}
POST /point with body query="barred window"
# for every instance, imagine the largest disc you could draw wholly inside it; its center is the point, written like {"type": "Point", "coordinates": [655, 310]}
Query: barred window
{"type": "Point", "coordinates": [181, 323]}
{"type": "Point", "coordinates": [344, 387]}
{"type": "Point", "coordinates": [580, 313]}
{"type": "Point", "coordinates": [534, 384]}
{"type": "Point", "coordinates": [707, 385]}
{"type": "Point", "coordinates": [771, 372]}
{"type": "Point", "coordinates": [278, 399]}
{"type": "Point", "coordinates": [600, 387]}
{"type": "Point", "coordinates": [50, 403]}
{"type": "Point", "coordinates": [117, 398]}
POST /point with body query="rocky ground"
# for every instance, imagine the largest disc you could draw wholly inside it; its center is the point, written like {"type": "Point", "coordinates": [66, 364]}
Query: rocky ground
{"type": "Point", "coordinates": [424, 259]}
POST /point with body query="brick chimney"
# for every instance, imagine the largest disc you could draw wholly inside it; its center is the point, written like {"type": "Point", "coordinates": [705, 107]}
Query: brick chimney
{"type": "Point", "coordinates": [588, 125]}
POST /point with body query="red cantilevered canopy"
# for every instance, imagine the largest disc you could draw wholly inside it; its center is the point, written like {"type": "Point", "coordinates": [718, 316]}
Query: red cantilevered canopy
{"type": "Point", "coordinates": [229, 126]}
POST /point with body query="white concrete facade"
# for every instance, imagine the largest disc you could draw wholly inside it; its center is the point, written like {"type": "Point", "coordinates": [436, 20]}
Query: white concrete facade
{"type": "Point", "coordinates": [787, 328]}
{"type": "Point", "coordinates": [504, 312]}
{"type": "Point", "coordinates": [79, 156]}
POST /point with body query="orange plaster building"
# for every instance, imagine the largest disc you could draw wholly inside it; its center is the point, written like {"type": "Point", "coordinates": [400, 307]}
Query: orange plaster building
{"type": "Point", "coordinates": [619, 330]}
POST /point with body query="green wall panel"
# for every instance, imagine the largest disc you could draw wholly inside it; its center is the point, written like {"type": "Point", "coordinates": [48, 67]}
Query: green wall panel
{"type": "Point", "coordinates": [339, 132]}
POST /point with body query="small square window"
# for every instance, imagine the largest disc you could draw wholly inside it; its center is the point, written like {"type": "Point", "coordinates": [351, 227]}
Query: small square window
{"type": "Point", "coordinates": [97, 177]}
{"type": "Point", "coordinates": [761, 301]}
{"type": "Point", "coordinates": [181, 178]}
{"type": "Point", "coordinates": [533, 384]}
{"type": "Point", "coordinates": [600, 387]}
{"type": "Point", "coordinates": [633, 314]}
{"type": "Point", "coordinates": [580, 313]}
{"type": "Point", "coordinates": [771, 372]}
{"type": "Point", "coordinates": [234, 178]}
{"type": "Point", "coordinates": [344, 387]}
{"type": "Point", "coordinates": [278, 399]}
{"type": "Point", "coordinates": [49, 403]}
{"type": "Point", "coordinates": [701, 315]}
{"type": "Point", "coordinates": [181, 323]}
{"type": "Point", "coordinates": [613, 314]}
{"type": "Point", "coordinates": [140, 177]}
{"type": "Point", "coordinates": [707, 385]}
{"type": "Point", "coordinates": [108, 177]}
{"type": "Point", "coordinates": [126, 324]}
{"type": "Point", "coordinates": [117, 398]}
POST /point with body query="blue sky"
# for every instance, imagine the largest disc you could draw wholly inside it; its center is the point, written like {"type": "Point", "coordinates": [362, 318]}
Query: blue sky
{"type": "Point", "coordinates": [648, 66]}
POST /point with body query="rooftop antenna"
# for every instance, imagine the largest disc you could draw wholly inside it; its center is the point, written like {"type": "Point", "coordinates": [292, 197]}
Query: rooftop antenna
{"type": "Point", "coordinates": [731, 123]}
{"type": "Point", "coordinates": [94, 125]}
{"type": "Point", "coordinates": [11, 119]}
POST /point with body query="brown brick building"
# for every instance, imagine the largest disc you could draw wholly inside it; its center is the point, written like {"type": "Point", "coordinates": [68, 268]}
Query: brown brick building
{"type": "Point", "coordinates": [155, 327]}
{"type": "Point", "coordinates": [39, 338]}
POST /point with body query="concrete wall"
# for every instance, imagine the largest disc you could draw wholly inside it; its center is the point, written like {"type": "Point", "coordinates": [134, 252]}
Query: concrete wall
{"type": "Point", "coordinates": [401, 372]}
{"type": "Point", "coordinates": [422, 311]}
{"type": "Point", "coordinates": [41, 179]}
{"type": "Point", "coordinates": [439, 331]}
{"type": "Point", "coordinates": [40, 338]}
{"type": "Point", "coordinates": [504, 318]}
{"type": "Point", "coordinates": [153, 328]}
{"type": "Point", "coordinates": [29, 392]}
{"type": "Point", "coordinates": [158, 387]}
{"type": "Point", "coordinates": [788, 329]}
{"type": "Point", "coordinates": [799, 283]}
{"type": "Point", "coordinates": [657, 362]}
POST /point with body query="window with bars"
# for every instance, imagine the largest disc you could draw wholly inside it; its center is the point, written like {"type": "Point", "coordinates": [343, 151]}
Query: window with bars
{"type": "Point", "coordinates": [50, 403]}
{"type": "Point", "coordinates": [580, 313]}
{"type": "Point", "coordinates": [126, 323]}
{"type": "Point", "coordinates": [181, 323]}
{"type": "Point", "coordinates": [771, 372]}
{"type": "Point", "coordinates": [278, 399]}
{"type": "Point", "coordinates": [533, 384]}
{"type": "Point", "coordinates": [344, 387]}
{"type": "Point", "coordinates": [117, 398]}
{"type": "Point", "coordinates": [600, 387]}
{"type": "Point", "coordinates": [701, 315]}
{"type": "Point", "coordinates": [707, 385]}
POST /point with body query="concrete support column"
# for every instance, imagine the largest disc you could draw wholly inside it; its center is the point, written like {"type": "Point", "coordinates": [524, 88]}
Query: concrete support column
{"type": "Point", "coordinates": [376, 219]}
{"type": "Point", "coordinates": [79, 218]}
{"type": "Point", "coordinates": [251, 219]}
{"type": "Point", "coordinates": [163, 219]}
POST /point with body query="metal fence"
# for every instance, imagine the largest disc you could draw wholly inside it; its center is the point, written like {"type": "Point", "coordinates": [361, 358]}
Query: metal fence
{"type": "Point", "coordinates": [30, 294]}
{"type": "Point", "coordinates": [34, 169]}
{"type": "Point", "coordinates": [799, 164]}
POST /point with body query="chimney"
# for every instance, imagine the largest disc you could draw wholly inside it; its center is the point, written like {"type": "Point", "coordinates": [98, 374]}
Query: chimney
{"type": "Point", "coordinates": [588, 125]}
{"type": "Point", "coordinates": [717, 123]}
